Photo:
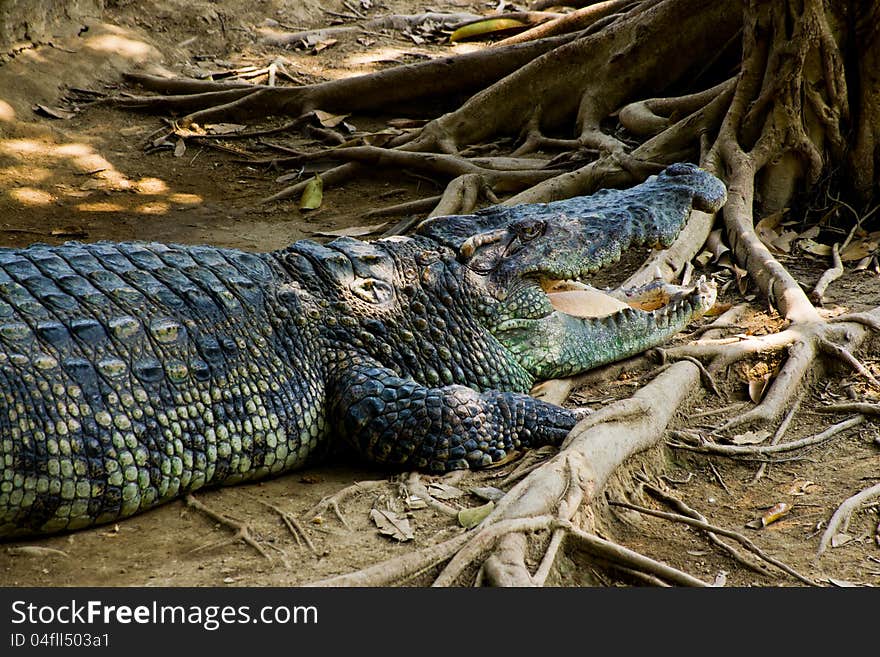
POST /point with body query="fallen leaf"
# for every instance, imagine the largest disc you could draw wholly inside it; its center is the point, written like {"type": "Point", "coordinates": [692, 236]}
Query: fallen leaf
{"type": "Point", "coordinates": [758, 387]}
{"type": "Point", "coordinates": [322, 45]}
{"type": "Point", "coordinates": [841, 539]}
{"type": "Point", "coordinates": [355, 231]}
{"type": "Point", "coordinates": [313, 194]}
{"type": "Point", "coordinates": [704, 258]}
{"type": "Point", "coordinates": [224, 128]}
{"type": "Point", "coordinates": [329, 120]}
{"type": "Point", "coordinates": [799, 486]}
{"type": "Point", "coordinates": [485, 28]}
{"type": "Point", "coordinates": [750, 437]}
{"type": "Point", "coordinates": [53, 112]}
{"type": "Point", "coordinates": [414, 502]}
{"type": "Point", "coordinates": [811, 233]}
{"type": "Point", "coordinates": [859, 250]}
{"type": "Point", "coordinates": [443, 491]}
{"type": "Point", "coordinates": [35, 551]}
{"type": "Point", "coordinates": [814, 247]}
{"type": "Point", "coordinates": [775, 512]}
{"type": "Point", "coordinates": [392, 524]}
{"type": "Point", "coordinates": [179, 148]}
{"type": "Point", "coordinates": [842, 583]}
{"type": "Point", "coordinates": [69, 231]}
{"type": "Point", "coordinates": [406, 123]}
{"type": "Point", "coordinates": [487, 493]}
{"type": "Point", "coordinates": [473, 516]}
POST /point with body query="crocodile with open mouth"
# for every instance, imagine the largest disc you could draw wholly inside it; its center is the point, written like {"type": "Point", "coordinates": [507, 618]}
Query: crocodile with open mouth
{"type": "Point", "coordinates": [132, 373]}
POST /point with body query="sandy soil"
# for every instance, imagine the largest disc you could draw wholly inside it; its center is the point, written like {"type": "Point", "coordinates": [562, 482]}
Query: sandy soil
{"type": "Point", "coordinates": [87, 177]}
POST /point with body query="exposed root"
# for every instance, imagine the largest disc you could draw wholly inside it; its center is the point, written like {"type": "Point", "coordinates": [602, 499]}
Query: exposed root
{"type": "Point", "coordinates": [415, 486]}
{"type": "Point", "coordinates": [689, 512]}
{"type": "Point", "coordinates": [579, 19]}
{"type": "Point", "coordinates": [764, 450]}
{"type": "Point", "coordinates": [828, 276]}
{"type": "Point", "coordinates": [839, 521]}
{"type": "Point", "coordinates": [242, 529]}
{"type": "Point", "coordinates": [701, 524]}
{"type": "Point", "coordinates": [332, 502]}
{"type": "Point", "coordinates": [294, 527]}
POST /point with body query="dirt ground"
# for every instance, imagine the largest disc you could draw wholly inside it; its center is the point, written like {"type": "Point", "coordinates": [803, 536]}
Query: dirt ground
{"type": "Point", "coordinates": [86, 176]}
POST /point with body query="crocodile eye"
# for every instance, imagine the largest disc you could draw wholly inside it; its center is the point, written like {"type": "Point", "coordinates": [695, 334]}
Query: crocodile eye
{"type": "Point", "coordinates": [529, 230]}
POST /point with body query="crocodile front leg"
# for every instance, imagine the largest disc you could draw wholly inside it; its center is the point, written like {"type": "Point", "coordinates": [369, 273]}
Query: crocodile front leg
{"type": "Point", "coordinates": [394, 419]}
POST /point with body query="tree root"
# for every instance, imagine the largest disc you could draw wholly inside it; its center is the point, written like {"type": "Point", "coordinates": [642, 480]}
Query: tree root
{"type": "Point", "coordinates": [779, 448]}
{"type": "Point", "coordinates": [685, 510]}
{"type": "Point", "coordinates": [702, 524]}
{"type": "Point", "coordinates": [242, 529]}
{"type": "Point", "coordinates": [332, 502]}
{"type": "Point", "coordinates": [840, 519]}
{"type": "Point", "coordinates": [294, 527]}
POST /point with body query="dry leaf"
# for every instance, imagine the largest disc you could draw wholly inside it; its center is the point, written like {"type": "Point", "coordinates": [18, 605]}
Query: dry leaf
{"type": "Point", "coordinates": [799, 487]}
{"type": "Point", "coordinates": [473, 516]}
{"type": "Point", "coordinates": [758, 387]}
{"type": "Point", "coordinates": [858, 250]}
{"type": "Point", "coordinates": [775, 512]}
{"type": "Point", "coordinates": [718, 309]}
{"type": "Point", "coordinates": [485, 28]}
{"type": "Point", "coordinates": [392, 524]}
{"type": "Point", "coordinates": [329, 120]}
{"type": "Point", "coordinates": [224, 128]}
{"type": "Point", "coordinates": [443, 491]}
{"type": "Point", "coordinates": [843, 583]}
{"type": "Point", "coordinates": [313, 194]}
{"type": "Point", "coordinates": [69, 231]}
{"type": "Point", "coordinates": [179, 148]}
{"type": "Point", "coordinates": [487, 493]}
{"type": "Point", "coordinates": [415, 502]}
{"type": "Point", "coordinates": [814, 247]}
{"type": "Point", "coordinates": [750, 437]}
{"type": "Point", "coordinates": [35, 551]}
{"type": "Point", "coordinates": [811, 233]}
{"type": "Point", "coordinates": [841, 539]}
{"type": "Point", "coordinates": [767, 229]}
{"type": "Point", "coordinates": [355, 231]}
{"type": "Point", "coordinates": [53, 112]}
{"type": "Point", "coordinates": [321, 45]}
{"type": "Point", "coordinates": [704, 258]}
{"type": "Point", "coordinates": [406, 123]}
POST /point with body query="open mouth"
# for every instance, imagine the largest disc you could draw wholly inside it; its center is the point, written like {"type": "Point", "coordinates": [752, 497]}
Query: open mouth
{"type": "Point", "coordinates": [581, 300]}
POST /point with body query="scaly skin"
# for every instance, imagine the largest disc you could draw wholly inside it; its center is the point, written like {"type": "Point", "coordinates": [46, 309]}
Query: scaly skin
{"type": "Point", "coordinates": [132, 373]}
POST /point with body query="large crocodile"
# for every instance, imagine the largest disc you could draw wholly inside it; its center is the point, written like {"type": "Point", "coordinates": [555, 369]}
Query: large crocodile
{"type": "Point", "coordinates": [132, 373]}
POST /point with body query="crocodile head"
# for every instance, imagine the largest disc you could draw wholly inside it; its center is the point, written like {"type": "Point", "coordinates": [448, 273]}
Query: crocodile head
{"type": "Point", "coordinates": [531, 263]}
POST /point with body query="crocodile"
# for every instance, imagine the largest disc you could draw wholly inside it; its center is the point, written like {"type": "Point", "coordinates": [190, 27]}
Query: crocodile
{"type": "Point", "coordinates": [133, 373]}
